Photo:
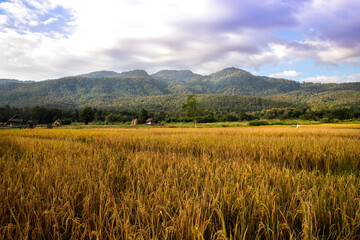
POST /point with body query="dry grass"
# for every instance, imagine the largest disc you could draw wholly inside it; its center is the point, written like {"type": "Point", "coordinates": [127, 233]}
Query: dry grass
{"type": "Point", "coordinates": [231, 183]}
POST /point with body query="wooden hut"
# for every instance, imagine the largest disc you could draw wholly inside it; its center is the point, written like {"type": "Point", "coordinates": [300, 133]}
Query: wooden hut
{"type": "Point", "coordinates": [150, 121]}
{"type": "Point", "coordinates": [30, 124]}
{"type": "Point", "coordinates": [15, 122]}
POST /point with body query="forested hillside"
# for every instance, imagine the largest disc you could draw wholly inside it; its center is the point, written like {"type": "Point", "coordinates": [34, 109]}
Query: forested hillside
{"type": "Point", "coordinates": [212, 102]}
{"type": "Point", "coordinates": [224, 90]}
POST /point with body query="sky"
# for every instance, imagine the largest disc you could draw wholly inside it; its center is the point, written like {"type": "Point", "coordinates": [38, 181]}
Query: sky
{"type": "Point", "coordinates": [302, 40]}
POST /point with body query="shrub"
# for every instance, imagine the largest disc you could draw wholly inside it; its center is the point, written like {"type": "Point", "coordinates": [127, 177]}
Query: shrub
{"type": "Point", "coordinates": [65, 121]}
{"type": "Point", "coordinates": [258, 123]}
{"type": "Point", "coordinates": [171, 119]}
{"type": "Point", "coordinates": [327, 120]}
{"type": "Point", "coordinates": [206, 119]}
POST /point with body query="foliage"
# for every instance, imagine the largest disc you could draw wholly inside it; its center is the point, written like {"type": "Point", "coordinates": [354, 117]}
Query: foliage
{"type": "Point", "coordinates": [258, 123]}
{"type": "Point", "coordinates": [207, 119]}
{"type": "Point", "coordinates": [143, 115]}
{"type": "Point", "coordinates": [161, 116]}
{"type": "Point", "coordinates": [192, 108]}
{"type": "Point", "coordinates": [65, 121]}
{"type": "Point", "coordinates": [170, 119]}
{"type": "Point", "coordinates": [230, 118]}
{"type": "Point", "coordinates": [44, 115]}
{"type": "Point", "coordinates": [87, 115]}
{"type": "Point", "coordinates": [182, 76]}
{"type": "Point", "coordinates": [113, 117]}
{"type": "Point", "coordinates": [137, 89]}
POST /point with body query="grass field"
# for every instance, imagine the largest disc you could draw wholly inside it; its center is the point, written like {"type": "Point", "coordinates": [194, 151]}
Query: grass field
{"type": "Point", "coordinates": [271, 182]}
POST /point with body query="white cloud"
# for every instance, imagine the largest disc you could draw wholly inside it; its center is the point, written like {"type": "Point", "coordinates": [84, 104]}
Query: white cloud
{"type": "Point", "coordinates": [17, 11]}
{"type": "Point", "coordinates": [159, 35]}
{"type": "Point", "coordinates": [3, 20]}
{"type": "Point", "coordinates": [50, 20]}
{"type": "Point", "coordinates": [286, 74]}
{"type": "Point", "coordinates": [128, 34]}
{"type": "Point", "coordinates": [333, 79]}
{"type": "Point", "coordinates": [33, 23]}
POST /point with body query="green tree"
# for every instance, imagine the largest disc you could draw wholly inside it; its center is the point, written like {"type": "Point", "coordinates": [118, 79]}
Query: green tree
{"type": "Point", "coordinates": [161, 116]}
{"type": "Point", "coordinates": [99, 115]}
{"type": "Point", "coordinates": [143, 115]}
{"type": "Point", "coordinates": [192, 108]}
{"type": "Point", "coordinates": [87, 115]}
{"type": "Point", "coordinates": [113, 117]}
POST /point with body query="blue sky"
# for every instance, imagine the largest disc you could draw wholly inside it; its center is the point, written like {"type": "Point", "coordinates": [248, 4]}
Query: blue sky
{"type": "Point", "coordinates": [308, 40]}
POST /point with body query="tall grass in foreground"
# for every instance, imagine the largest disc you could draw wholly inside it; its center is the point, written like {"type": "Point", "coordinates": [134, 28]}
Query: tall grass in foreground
{"type": "Point", "coordinates": [248, 183]}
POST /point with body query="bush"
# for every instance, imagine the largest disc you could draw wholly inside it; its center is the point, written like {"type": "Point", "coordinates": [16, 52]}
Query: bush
{"type": "Point", "coordinates": [113, 117]}
{"type": "Point", "coordinates": [283, 123]}
{"type": "Point", "coordinates": [185, 119]}
{"type": "Point", "coordinates": [171, 119]}
{"type": "Point", "coordinates": [258, 123]}
{"type": "Point", "coordinates": [65, 121]}
{"type": "Point", "coordinates": [206, 119]}
{"type": "Point", "coordinates": [229, 118]}
{"type": "Point", "coordinates": [245, 117]}
{"type": "Point", "coordinates": [327, 120]}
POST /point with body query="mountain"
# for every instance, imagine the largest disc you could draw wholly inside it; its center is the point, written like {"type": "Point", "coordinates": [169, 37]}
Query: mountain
{"type": "Point", "coordinates": [133, 74]}
{"type": "Point", "coordinates": [5, 80]}
{"type": "Point", "coordinates": [175, 76]}
{"type": "Point", "coordinates": [73, 91]}
{"type": "Point", "coordinates": [229, 81]}
{"type": "Point", "coordinates": [105, 74]}
{"type": "Point", "coordinates": [233, 81]}
{"type": "Point", "coordinates": [99, 74]}
{"type": "Point", "coordinates": [227, 72]}
{"type": "Point", "coordinates": [160, 90]}
{"type": "Point", "coordinates": [212, 102]}
{"type": "Point", "coordinates": [321, 98]}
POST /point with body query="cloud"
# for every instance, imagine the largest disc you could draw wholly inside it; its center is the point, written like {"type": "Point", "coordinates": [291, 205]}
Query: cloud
{"type": "Point", "coordinates": [286, 74]}
{"type": "Point", "coordinates": [258, 14]}
{"type": "Point", "coordinates": [50, 20]}
{"type": "Point", "coordinates": [3, 20]}
{"type": "Point", "coordinates": [333, 79]}
{"type": "Point", "coordinates": [30, 16]}
{"type": "Point", "coordinates": [33, 23]}
{"type": "Point", "coordinates": [69, 37]}
{"type": "Point", "coordinates": [335, 21]}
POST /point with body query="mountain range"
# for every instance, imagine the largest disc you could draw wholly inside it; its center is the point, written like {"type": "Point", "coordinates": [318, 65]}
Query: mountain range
{"type": "Point", "coordinates": [230, 89]}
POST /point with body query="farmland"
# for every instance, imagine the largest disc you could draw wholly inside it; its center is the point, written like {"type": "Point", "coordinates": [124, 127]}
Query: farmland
{"type": "Point", "coordinates": [272, 182]}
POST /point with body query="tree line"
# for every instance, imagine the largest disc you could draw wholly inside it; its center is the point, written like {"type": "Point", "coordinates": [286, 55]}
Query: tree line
{"type": "Point", "coordinates": [191, 112]}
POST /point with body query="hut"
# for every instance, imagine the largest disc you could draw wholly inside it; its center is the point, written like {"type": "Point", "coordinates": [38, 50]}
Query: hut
{"type": "Point", "coordinates": [30, 124]}
{"type": "Point", "coordinates": [150, 121]}
{"type": "Point", "coordinates": [15, 122]}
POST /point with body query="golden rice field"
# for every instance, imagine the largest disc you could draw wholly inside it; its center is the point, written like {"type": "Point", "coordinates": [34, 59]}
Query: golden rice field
{"type": "Point", "coordinates": [159, 183]}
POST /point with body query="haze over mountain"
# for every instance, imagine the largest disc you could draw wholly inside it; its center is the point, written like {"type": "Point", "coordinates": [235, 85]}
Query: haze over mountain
{"type": "Point", "coordinates": [112, 89]}
{"type": "Point", "coordinates": [5, 80]}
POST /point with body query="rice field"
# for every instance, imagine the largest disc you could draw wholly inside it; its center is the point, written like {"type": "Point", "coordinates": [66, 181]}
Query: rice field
{"type": "Point", "coordinates": [274, 182]}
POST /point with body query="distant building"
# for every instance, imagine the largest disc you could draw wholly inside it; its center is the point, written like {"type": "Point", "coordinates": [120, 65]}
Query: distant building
{"type": "Point", "coordinates": [30, 124]}
{"type": "Point", "coordinates": [150, 121]}
{"type": "Point", "coordinates": [15, 122]}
